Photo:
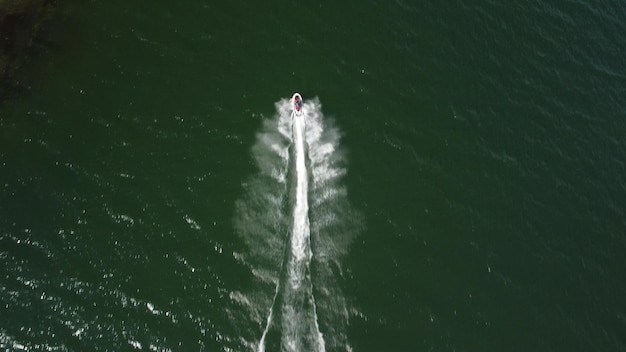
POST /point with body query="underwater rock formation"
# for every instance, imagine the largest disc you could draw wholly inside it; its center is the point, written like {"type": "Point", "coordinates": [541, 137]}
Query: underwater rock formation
{"type": "Point", "coordinates": [20, 23]}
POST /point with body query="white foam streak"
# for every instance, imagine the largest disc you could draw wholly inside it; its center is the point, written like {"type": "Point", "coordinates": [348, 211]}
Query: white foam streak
{"type": "Point", "coordinates": [298, 157]}
{"type": "Point", "coordinates": [301, 230]}
{"type": "Point", "coordinates": [270, 318]}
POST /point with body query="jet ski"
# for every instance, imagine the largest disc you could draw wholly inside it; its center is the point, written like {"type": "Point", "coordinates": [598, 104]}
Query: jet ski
{"type": "Point", "coordinates": [297, 104]}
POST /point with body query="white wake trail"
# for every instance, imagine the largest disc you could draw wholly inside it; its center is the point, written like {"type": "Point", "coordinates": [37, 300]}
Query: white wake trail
{"type": "Point", "coordinates": [297, 225]}
{"type": "Point", "coordinates": [301, 253]}
{"type": "Point", "coordinates": [298, 315]}
{"type": "Point", "coordinates": [301, 231]}
{"type": "Point", "coordinates": [284, 127]}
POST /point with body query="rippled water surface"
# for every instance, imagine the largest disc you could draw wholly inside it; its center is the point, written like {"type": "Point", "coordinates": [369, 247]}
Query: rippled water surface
{"type": "Point", "coordinates": [456, 183]}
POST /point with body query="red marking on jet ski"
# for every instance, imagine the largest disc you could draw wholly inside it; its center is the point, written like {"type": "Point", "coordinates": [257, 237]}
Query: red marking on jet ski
{"type": "Point", "coordinates": [297, 104]}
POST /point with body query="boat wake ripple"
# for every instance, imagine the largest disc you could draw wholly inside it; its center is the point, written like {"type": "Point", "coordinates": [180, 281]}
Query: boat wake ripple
{"type": "Point", "coordinates": [294, 246]}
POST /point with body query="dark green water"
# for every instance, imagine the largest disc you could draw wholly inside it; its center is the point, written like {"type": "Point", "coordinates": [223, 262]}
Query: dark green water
{"type": "Point", "coordinates": [466, 179]}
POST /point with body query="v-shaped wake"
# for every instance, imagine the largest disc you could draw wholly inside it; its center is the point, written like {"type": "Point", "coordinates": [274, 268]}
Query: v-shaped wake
{"type": "Point", "coordinates": [300, 328]}
{"type": "Point", "coordinates": [297, 224]}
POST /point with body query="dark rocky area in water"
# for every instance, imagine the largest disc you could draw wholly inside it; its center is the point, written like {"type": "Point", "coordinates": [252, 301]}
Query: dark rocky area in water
{"type": "Point", "coordinates": [21, 23]}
